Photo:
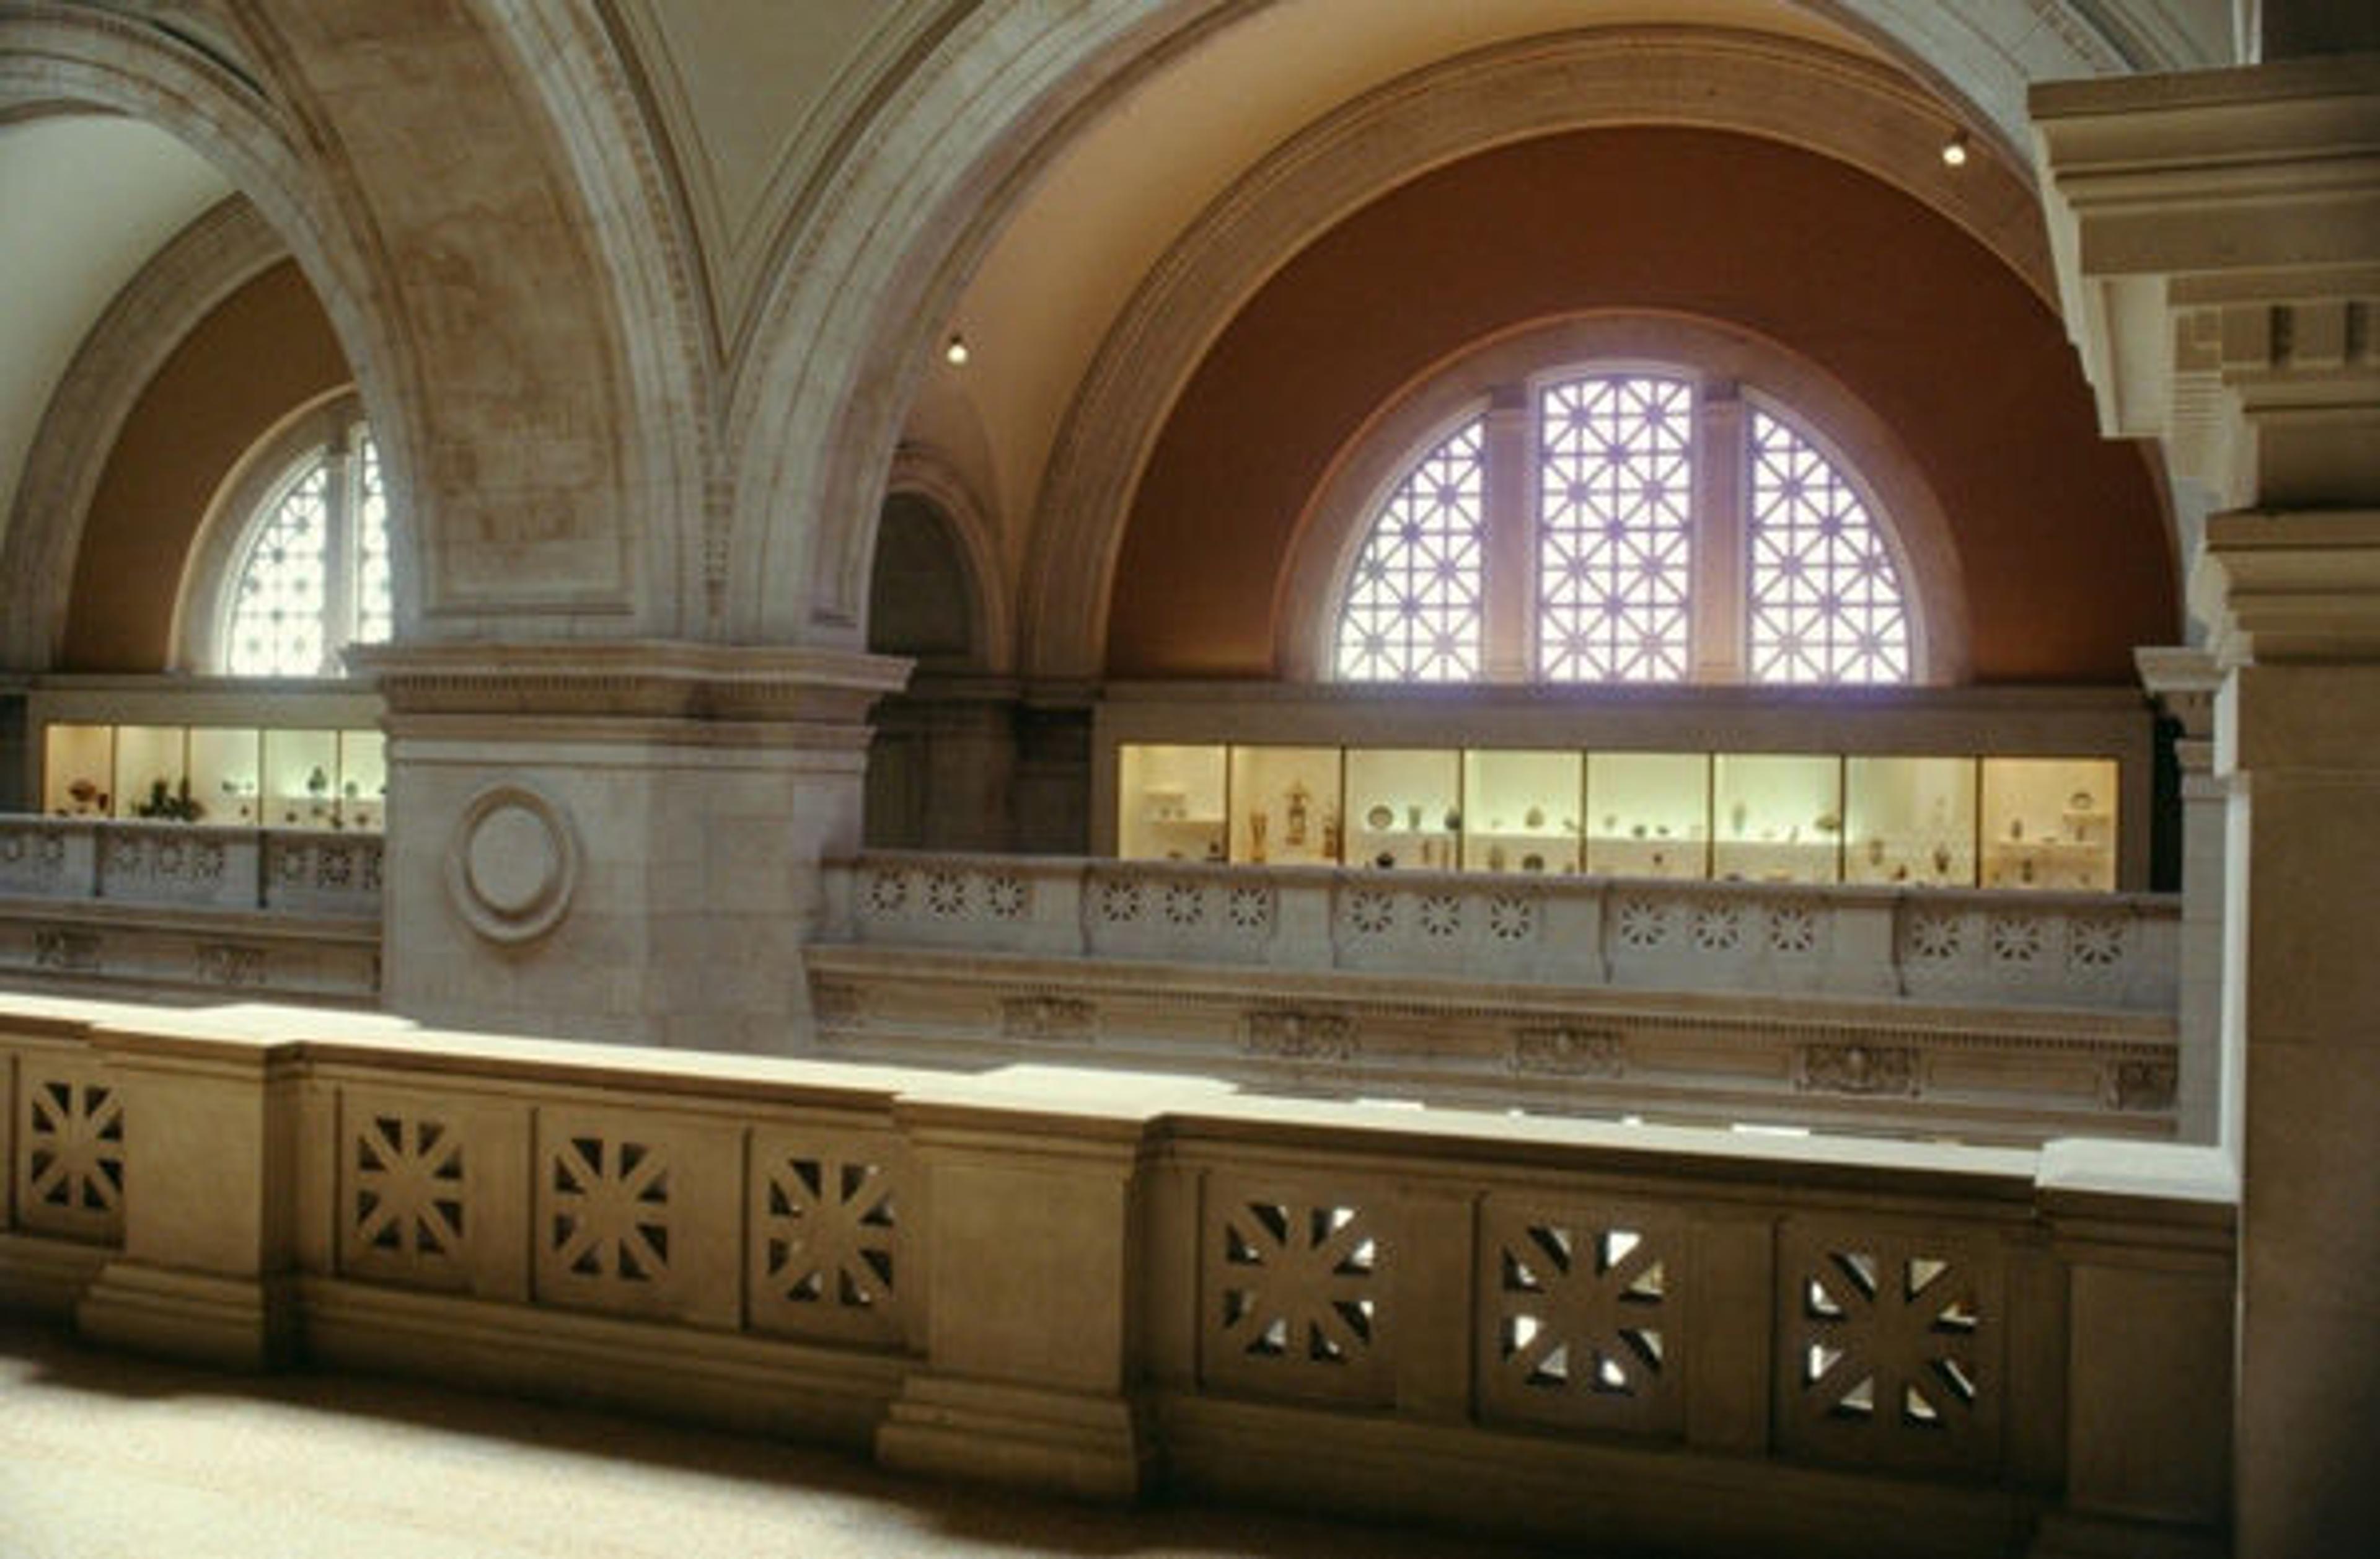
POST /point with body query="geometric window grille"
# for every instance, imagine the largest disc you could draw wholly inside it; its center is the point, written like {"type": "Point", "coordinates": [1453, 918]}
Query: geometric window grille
{"type": "Point", "coordinates": [1615, 538]}
{"type": "Point", "coordinates": [72, 1161]}
{"type": "Point", "coordinates": [309, 572]}
{"type": "Point", "coordinates": [405, 1216]}
{"type": "Point", "coordinates": [1890, 1348]}
{"type": "Point", "coordinates": [1827, 603]}
{"type": "Point", "coordinates": [1581, 1321]}
{"type": "Point", "coordinates": [1291, 1298]}
{"type": "Point", "coordinates": [824, 1229]}
{"type": "Point", "coordinates": [1411, 612]}
{"type": "Point", "coordinates": [1615, 530]}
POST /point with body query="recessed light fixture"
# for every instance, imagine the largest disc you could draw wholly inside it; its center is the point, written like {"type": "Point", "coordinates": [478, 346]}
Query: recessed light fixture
{"type": "Point", "coordinates": [955, 350]}
{"type": "Point", "coordinates": [1954, 151]}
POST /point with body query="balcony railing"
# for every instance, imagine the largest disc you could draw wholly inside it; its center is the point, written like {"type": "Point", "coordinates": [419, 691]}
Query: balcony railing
{"type": "Point", "coordinates": [292, 912]}
{"type": "Point", "coordinates": [2009, 1015]}
{"type": "Point", "coordinates": [1581, 1331]}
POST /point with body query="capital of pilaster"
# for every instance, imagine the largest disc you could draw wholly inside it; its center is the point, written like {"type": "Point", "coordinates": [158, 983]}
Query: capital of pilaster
{"type": "Point", "coordinates": [2183, 681]}
{"type": "Point", "coordinates": [2301, 587]}
{"type": "Point", "coordinates": [666, 688]}
{"type": "Point", "coordinates": [2217, 243]}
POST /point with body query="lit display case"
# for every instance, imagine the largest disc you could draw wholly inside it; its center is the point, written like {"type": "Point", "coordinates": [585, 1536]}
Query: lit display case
{"type": "Point", "coordinates": [1281, 799]}
{"type": "Point", "coordinates": [363, 780]}
{"type": "Point", "coordinates": [1521, 810]}
{"type": "Point", "coordinates": [223, 783]}
{"type": "Point", "coordinates": [1649, 814]}
{"type": "Point", "coordinates": [2049, 822]}
{"type": "Point", "coordinates": [1909, 819]}
{"type": "Point", "coordinates": [152, 772]}
{"type": "Point", "coordinates": [1172, 800]}
{"type": "Point", "coordinates": [1404, 807]}
{"type": "Point", "coordinates": [300, 778]}
{"type": "Point", "coordinates": [79, 771]}
{"type": "Point", "coordinates": [1776, 817]}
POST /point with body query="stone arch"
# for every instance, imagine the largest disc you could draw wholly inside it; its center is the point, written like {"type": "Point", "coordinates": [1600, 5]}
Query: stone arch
{"type": "Point", "coordinates": [923, 474]}
{"type": "Point", "coordinates": [205, 263]}
{"type": "Point", "coordinates": [1850, 109]}
{"type": "Point", "coordinates": [868, 267]}
{"type": "Point", "coordinates": [54, 60]}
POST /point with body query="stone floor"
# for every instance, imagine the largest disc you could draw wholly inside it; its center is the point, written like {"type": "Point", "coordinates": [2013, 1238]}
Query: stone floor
{"type": "Point", "coordinates": [103, 1456]}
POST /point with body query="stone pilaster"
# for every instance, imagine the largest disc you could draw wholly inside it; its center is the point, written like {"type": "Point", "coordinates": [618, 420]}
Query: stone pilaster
{"type": "Point", "coordinates": [2218, 240]}
{"type": "Point", "coordinates": [2183, 682]}
{"type": "Point", "coordinates": [616, 840]}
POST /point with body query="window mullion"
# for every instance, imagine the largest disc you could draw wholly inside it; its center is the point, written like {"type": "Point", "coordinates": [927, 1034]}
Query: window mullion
{"type": "Point", "coordinates": [338, 551]}
{"type": "Point", "coordinates": [1721, 460]}
{"type": "Point", "coordinates": [1508, 574]}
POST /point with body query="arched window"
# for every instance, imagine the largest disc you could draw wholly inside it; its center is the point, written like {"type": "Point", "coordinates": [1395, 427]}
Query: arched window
{"type": "Point", "coordinates": [1626, 526]}
{"type": "Point", "coordinates": [295, 566]}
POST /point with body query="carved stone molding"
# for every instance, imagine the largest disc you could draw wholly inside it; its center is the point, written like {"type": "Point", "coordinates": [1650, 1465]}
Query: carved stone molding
{"type": "Point", "coordinates": [1864, 1069]}
{"type": "Point", "coordinates": [1048, 1018]}
{"type": "Point", "coordinates": [68, 952]}
{"type": "Point", "coordinates": [1293, 1035]}
{"type": "Point", "coordinates": [1570, 1052]}
{"type": "Point", "coordinates": [825, 693]}
{"type": "Point", "coordinates": [837, 1003]}
{"type": "Point", "coordinates": [512, 866]}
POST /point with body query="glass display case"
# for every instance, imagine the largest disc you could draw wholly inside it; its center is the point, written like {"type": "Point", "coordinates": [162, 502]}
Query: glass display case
{"type": "Point", "coordinates": [300, 778]}
{"type": "Point", "coordinates": [1522, 809]}
{"type": "Point", "coordinates": [1909, 819]}
{"type": "Point", "coordinates": [152, 775]}
{"type": "Point", "coordinates": [1404, 807]}
{"type": "Point", "coordinates": [224, 773]}
{"type": "Point", "coordinates": [79, 771]}
{"type": "Point", "coordinates": [1285, 805]}
{"type": "Point", "coordinates": [363, 780]}
{"type": "Point", "coordinates": [2049, 822]}
{"type": "Point", "coordinates": [1776, 817]}
{"type": "Point", "coordinates": [1648, 814]}
{"type": "Point", "coordinates": [1172, 802]}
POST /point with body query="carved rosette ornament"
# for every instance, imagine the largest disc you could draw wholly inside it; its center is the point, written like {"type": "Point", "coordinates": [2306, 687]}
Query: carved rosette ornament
{"type": "Point", "coordinates": [1862, 1069]}
{"type": "Point", "coordinates": [512, 866]}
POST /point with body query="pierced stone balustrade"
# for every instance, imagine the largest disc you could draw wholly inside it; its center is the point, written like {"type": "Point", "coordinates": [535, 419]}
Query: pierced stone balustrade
{"type": "Point", "coordinates": [2009, 1015]}
{"type": "Point", "coordinates": [1074, 1281]}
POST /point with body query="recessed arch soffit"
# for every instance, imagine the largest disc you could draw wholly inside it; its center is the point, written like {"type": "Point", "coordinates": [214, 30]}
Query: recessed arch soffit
{"type": "Point", "coordinates": [1847, 108]}
{"type": "Point", "coordinates": [203, 264]}
{"type": "Point", "coordinates": [62, 59]}
{"type": "Point", "coordinates": [877, 240]}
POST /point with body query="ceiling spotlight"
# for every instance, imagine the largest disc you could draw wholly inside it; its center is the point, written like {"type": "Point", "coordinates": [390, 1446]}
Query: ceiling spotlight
{"type": "Point", "coordinates": [954, 351]}
{"type": "Point", "coordinates": [1954, 151]}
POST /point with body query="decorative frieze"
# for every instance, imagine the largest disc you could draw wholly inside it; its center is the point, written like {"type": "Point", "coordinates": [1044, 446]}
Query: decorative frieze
{"type": "Point", "coordinates": [2139, 1085]}
{"type": "Point", "coordinates": [230, 963]}
{"type": "Point", "coordinates": [1862, 1069]}
{"type": "Point", "coordinates": [1569, 1052]}
{"type": "Point", "coordinates": [1048, 1020]}
{"type": "Point", "coordinates": [67, 951]}
{"type": "Point", "coordinates": [1293, 1035]}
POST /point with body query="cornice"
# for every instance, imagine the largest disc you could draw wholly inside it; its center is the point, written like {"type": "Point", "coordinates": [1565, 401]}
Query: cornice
{"type": "Point", "coordinates": [639, 680]}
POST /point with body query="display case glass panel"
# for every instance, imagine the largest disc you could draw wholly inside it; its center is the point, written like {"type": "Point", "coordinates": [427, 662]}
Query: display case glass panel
{"type": "Point", "coordinates": [1280, 798]}
{"type": "Point", "coordinates": [150, 770]}
{"type": "Point", "coordinates": [2049, 822]}
{"type": "Point", "coordinates": [1649, 814]}
{"type": "Point", "coordinates": [300, 778]}
{"type": "Point", "coordinates": [79, 771]}
{"type": "Point", "coordinates": [363, 779]}
{"type": "Point", "coordinates": [1776, 817]}
{"type": "Point", "coordinates": [1404, 807]}
{"type": "Point", "coordinates": [223, 769]}
{"type": "Point", "coordinates": [1170, 802]}
{"type": "Point", "coordinates": [1909, 819]}
{"type": "Point", "coordinates": [1521, 810]}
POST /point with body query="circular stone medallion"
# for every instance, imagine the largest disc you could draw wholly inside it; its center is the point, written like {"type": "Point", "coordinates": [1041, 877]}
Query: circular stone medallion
{"type": "Point", "coordinates": [513, 864]}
